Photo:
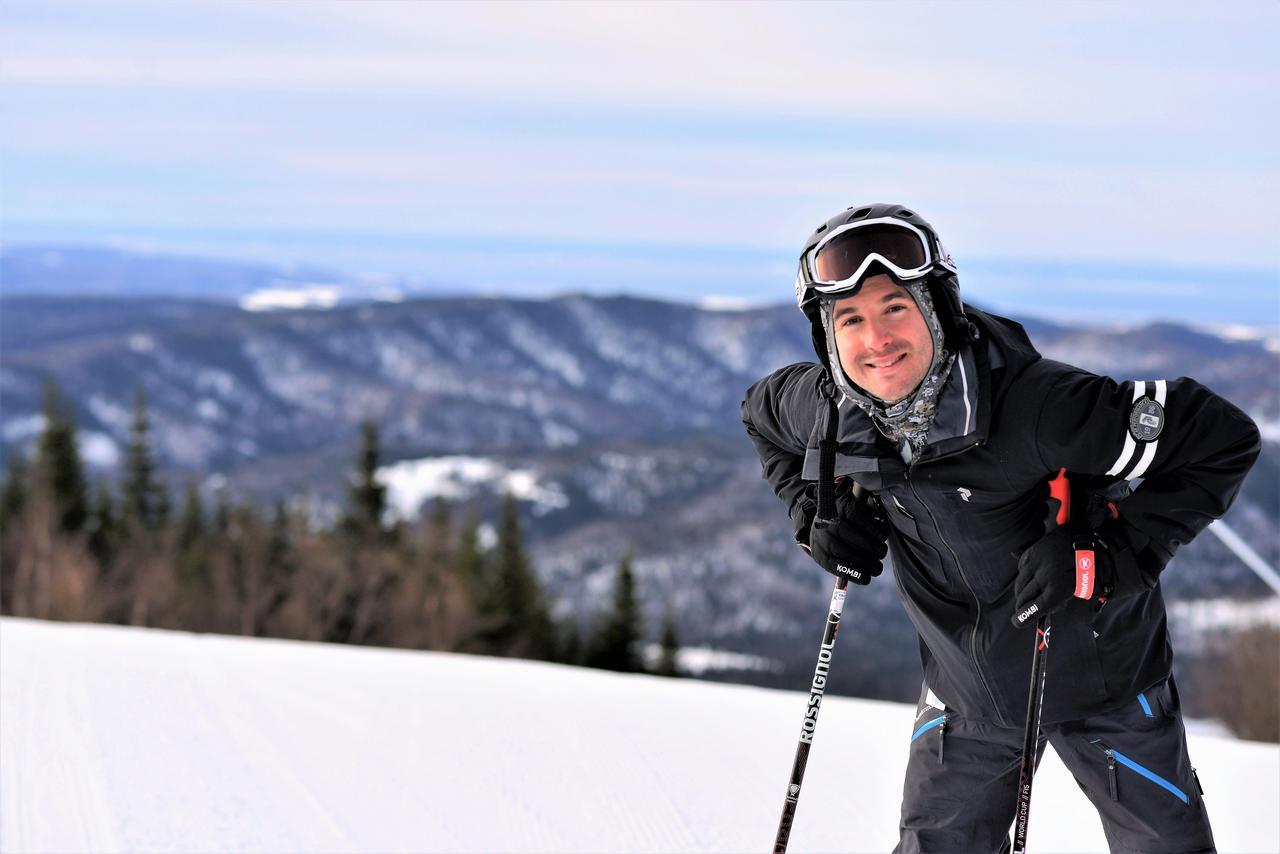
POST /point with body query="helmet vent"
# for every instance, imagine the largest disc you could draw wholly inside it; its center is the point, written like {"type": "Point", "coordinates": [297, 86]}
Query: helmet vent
{"type": "Point", "coordinates": [905, 213]}
{"type": "Point", "coordinates": [858, 214]}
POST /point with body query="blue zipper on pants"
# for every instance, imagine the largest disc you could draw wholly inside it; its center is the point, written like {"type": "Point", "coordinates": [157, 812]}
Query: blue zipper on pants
{"type": "Point", "coordinates": [925, 727]}
{"type": "Point", "coordinates": [1117, 756]}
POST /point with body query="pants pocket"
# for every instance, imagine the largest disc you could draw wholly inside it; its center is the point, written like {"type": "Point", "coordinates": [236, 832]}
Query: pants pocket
{"type": "Point", "coordinates": [1124, 768]}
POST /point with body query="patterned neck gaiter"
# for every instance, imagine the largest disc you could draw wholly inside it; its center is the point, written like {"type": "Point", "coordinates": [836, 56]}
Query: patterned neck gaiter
{"type": "Point", "coordinates": [907, 420]}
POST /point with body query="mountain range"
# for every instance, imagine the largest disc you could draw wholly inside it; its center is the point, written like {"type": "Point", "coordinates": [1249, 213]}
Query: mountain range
{"type": "Point", "coordinates": [618, 415]}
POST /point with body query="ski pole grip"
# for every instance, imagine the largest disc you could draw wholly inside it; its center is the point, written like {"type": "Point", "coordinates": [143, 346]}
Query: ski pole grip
{"type": "Point", "coordinates": [1086, 559]}
{"type": "Point", "coordinates": [1060, 491]}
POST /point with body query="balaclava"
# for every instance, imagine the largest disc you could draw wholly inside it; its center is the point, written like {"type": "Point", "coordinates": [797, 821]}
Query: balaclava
{"type": "Point", "coordinates": [907, 420]}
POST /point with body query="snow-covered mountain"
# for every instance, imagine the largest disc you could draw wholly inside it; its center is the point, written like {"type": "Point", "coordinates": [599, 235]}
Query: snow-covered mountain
{"type": "Point", "coordinates": [230, 389]}
{"type": "Point", "coordinates": [120, 739]}
{"type": "Point", "coordinates": [616, 419]}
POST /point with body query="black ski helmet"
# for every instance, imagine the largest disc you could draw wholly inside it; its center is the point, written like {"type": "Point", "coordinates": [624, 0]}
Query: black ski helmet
{"type": "Point", "coordinates": [944, 286]}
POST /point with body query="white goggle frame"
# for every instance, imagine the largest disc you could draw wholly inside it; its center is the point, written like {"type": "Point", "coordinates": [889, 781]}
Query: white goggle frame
{"type": "Point", "coordinates": [932, 259]}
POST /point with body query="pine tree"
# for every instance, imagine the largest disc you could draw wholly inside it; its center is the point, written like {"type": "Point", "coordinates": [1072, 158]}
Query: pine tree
{"type": "Point", "coordinates": [668, 661]}
{"type": "Point", "coordinates": [13, 495]}
{"type": "Point", "coordinates": [193, 541]}
{"type": "Point", "coordinates": [367, 497]}
{"type": "Point", "coordinates": [616, 644]}
{"type": "Point", "coordinates": [144, 498]}
{"type": "Point", "coordinates": [525, 623]}
{"type": "Point", "coordinates": [438, 534]}
{"type": "Point", "coordinates": [371, 570]}
{"type": "Point", "coordinates": [471, 568]}
{"type": "Point", "coordinates": [281, 564]}
{"type": "Point", "coordinates": [570, 643]}
{"type": "Point", "coordinates": [103, 526]}
{"type": "Point", "coordinates": [58, 462]}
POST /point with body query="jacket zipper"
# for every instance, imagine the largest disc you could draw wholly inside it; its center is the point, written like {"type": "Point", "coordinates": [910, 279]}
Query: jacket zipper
{"type": "Point", "coordinates": [973, 632]}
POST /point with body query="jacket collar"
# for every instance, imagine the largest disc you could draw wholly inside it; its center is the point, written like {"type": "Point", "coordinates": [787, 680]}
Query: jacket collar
{"type": "Point", "coordinates": [964, 408]}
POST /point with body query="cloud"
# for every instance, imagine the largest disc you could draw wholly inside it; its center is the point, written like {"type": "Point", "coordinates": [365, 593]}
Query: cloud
{"type": "Point", "coordinates": [949, 62]}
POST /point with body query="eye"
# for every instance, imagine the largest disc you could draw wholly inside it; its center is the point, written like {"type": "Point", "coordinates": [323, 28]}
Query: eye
{"type": "Point", "coordinates": [850, 320]}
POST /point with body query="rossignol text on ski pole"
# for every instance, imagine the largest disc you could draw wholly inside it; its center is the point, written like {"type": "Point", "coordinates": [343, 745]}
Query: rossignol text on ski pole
{"type": "Point", "coordinates": [826, 510]}
{"type": "Point", "coordinates": [810, 717]}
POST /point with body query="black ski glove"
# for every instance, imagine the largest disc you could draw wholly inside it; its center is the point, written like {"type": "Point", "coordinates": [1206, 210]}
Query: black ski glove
{"type": "Point", "coordinates": [852, 546]}
{"type": "Point", "coordinates": [1056, 570]}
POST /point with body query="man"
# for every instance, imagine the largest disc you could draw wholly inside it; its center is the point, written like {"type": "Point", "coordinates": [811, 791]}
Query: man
{"type": "Point", "coordinates": [954, 425]}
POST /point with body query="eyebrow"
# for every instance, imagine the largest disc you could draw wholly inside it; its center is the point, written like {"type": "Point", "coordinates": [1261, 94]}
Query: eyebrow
{"type": "Point", "coordinates": [900, 293]}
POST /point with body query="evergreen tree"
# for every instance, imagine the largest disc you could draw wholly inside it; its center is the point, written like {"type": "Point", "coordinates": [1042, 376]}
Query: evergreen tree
{"type": "Point", "coordinates": [13, 495]}
{"type": "Point", "coordinates": [193, 540]}
{"type": "Point", "coordinates": [668, 661]}
{"type": "Point", "coordinates": [525, 626]}
{"type": "Point", "coordinates": [469, 564]}
{"type": "Point", "coordinates": [367, 497]}
{"type": "Point", "coordinates": [58, 462]}
{"type": "Point", "coordinates": [280, 562]}
{"type": "Point", "coordinates": [13, 505]}
{"type": "Point", "coordinates": [438, 546]}
{"type": "Point", "coordinates": [144, 498]}
{"type": "Point", "coordinates": [616, 644]}
{"type": "Point", "coordinates": [570, 643]}
{"type": "Point", "coordinates": [103, 526]}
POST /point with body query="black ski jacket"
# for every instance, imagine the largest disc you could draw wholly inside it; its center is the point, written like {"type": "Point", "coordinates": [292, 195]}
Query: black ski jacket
{"type": "Point", "coordinates": [977, 496]}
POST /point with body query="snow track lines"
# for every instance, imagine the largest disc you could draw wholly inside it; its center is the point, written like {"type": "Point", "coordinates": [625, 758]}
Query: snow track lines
{"type": "Point", "coordinates": [117, 739]}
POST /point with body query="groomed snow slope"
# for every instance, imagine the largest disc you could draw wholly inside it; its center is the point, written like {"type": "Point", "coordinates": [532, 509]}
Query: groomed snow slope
{"type": "Point", "coordinates": [115, 739]}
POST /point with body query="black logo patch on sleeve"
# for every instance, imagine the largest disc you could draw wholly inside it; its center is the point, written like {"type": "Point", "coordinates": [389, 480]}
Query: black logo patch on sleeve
{"type": "Point", "coordinates": [1146, 420]}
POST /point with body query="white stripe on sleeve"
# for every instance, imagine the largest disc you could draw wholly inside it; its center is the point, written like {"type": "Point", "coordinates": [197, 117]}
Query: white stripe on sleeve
{"type": "Point", "coordinates": [1126, 453]}
{"type": "Point", "coordinates": [1149, 452]}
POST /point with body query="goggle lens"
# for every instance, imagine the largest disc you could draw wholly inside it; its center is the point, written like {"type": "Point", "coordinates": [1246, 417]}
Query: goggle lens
{"type": "Point", "coordinates": [842, 256]}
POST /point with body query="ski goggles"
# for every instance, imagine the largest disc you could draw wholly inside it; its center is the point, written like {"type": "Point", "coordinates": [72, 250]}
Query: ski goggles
{"type": "Point", "coordinates": [842, 258]}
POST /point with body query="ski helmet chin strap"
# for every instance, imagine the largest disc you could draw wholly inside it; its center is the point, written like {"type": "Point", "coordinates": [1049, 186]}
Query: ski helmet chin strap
{"type": "Point", "coordinates": [907, 419]}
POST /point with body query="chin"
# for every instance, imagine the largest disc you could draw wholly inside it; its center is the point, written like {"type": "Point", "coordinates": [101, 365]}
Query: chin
{"type": "Point", "coordinates": [892, 394]}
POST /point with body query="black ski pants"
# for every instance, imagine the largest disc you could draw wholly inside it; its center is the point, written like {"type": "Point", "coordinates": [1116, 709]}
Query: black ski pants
{"type": "Point", "coordinates": [960, 792]}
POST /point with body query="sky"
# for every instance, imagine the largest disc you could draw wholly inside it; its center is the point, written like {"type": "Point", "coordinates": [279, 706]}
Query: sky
{"type": "Point", "coordinates": [1079, 159]}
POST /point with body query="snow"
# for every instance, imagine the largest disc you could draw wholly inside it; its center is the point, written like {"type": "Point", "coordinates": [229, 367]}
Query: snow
{"type": "Point", "coordinates": [23, 428]}
{"type": "Point", "coordinates": [208, 409]}
{"type": "Point", "coordinates": [99, 450]}
{"type": "Point", "coordinates": [1201, 615]}
{"type": "Point", "coordinates": [1269, 428]}
{"type": "Point", "coordinates": [699, 660]}
{"type": "Point", "coordinates": [140, 342]}
{"type": "Point", "coordinates": [411, 482]}
{"type": "Point", "coordinates": [110, 414]}
{"type": "Point", "coordinates": [730, 304]}
{"type": "Point", "coordinates": [307, 296]}
{"type": "Point", "coordinates": [96, 448]}
{"type": "Point", "coordinates": [120, 739]}
{"type": "Point", "coordinates": [1244, 332]}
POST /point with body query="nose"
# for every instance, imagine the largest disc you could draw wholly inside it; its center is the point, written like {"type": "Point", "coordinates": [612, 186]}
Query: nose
{"type": "Point", "coordinates": [876, 337]}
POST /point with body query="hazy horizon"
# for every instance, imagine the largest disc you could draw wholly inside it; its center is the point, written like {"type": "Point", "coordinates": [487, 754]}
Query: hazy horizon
{"type": "Point", "coordinates": [1079, 160]}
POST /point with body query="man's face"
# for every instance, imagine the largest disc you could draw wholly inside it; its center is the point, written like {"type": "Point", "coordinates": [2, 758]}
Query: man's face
{"type": "Point", "coordinates": [883, 340]}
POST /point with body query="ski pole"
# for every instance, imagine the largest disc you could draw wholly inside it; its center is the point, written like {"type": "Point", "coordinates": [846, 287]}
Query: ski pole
{"type": "Point", "coordinates": [810, 723]}
{"type": "Point", "coordinates": [1030, 737]}
{"type": "Point", "coordinates": [1060, 489]}
{"type": "Point", "coordinates": [810, 718]}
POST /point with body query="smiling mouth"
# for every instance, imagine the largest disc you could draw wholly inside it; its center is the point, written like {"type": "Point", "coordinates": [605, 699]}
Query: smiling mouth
{"type": "Point", "coordinates": [886, 363]}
